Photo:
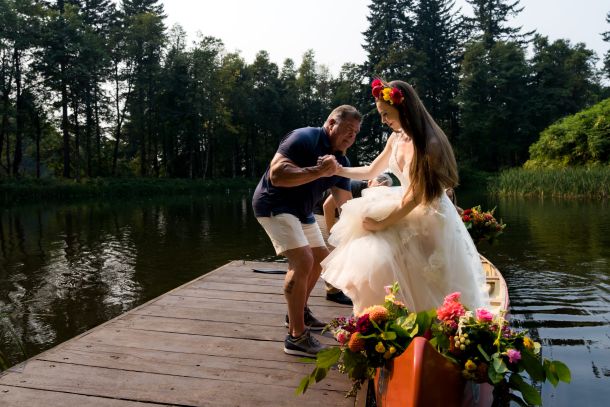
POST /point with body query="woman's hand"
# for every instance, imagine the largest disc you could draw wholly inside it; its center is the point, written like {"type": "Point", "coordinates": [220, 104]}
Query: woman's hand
{"type": "Point", "coordinates": [373, 225]}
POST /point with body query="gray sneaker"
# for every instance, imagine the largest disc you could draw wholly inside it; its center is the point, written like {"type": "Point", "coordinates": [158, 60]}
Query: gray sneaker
{"type": "Point", "coordinates": [305, 345]}
{"type": "Point", "coordinates": [312, 323]}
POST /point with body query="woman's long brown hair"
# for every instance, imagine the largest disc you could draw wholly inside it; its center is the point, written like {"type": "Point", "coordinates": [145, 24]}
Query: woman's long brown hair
{"type": "Point", "coordinates": [429, 175]}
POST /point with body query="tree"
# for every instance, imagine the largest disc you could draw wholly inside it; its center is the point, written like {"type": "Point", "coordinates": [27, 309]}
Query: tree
{"type": "Point", "coordinates": [494, 103]}
{"type": "Point", "coordinates": [388, 39]}
{"type": "Point", "coordinates": [145, 35]}
{"type": "Point", "coordinates": [437, 54]}
{"type": "Point", "coordinates": [606, 37]}
{"type": "Point", "coordinates": [563, 81]}
{"type": "Point", "coordinates": [489, 23]}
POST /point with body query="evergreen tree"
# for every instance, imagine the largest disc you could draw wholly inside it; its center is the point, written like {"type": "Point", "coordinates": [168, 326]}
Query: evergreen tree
{"type": "Point", "coordinates": [563, 81]}
{"type": "Point", "coordinates": [494, 106]}
{"type": "Point", "coordinates": [388, 39]}
{"type": "Point", "coordinates": [438, 53]}
{"type": "Point", "coordinates": [490, 21]}
{"type": "Point", "coordinates": [606, 37]}
{"type": "Point", "coordinates": [145, 36]}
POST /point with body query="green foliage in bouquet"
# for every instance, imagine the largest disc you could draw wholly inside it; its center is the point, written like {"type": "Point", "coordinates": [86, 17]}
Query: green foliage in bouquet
{"type": "Point", "coordinates": [482, 345]}
{"type": "Point", "coordinates": [487, 350]}
{"type": "Point", "coordinates": [482, 225]}
{"type": "Point", "coordinates": [368, 341]}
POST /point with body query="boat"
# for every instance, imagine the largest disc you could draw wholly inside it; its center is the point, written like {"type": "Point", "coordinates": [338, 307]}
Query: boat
{"type": "Point", "coordinates": [422, 377]}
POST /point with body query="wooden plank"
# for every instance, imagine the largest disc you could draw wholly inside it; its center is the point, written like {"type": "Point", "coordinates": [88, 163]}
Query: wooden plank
{"type": "Point", "coordinates": [215, 341]}
{"type": "Point", "coordinates": [245, 370]}
{"type": "Point", "coordinates": [277, 297]}
{"type": "Point", "coordinates": [221, 329]}
{"type": "Point", "coordinates": [21, 397]}
{"type": "Point", "coordinates": [160, 388]}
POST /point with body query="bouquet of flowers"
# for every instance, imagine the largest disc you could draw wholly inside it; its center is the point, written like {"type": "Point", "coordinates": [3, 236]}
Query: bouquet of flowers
{"type": "Point", "coordinates": [482, 345]}
{"type": "Point", "coordinates": [482, 225]}
{"type": "Point", "coordinates": [487, 350]}
{"type": "Point", "coordinates": [368, 341]}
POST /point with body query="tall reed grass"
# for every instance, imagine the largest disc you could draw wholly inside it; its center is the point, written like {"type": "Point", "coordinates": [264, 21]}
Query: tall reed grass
{"type": "Point", "coordinates": [572, 182]}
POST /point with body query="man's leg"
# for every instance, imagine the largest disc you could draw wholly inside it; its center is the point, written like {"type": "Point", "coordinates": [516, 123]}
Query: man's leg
{"type": "Point", "coordinates": [296, 286]}
{"type": "Point", "coordinates": [319, 254]}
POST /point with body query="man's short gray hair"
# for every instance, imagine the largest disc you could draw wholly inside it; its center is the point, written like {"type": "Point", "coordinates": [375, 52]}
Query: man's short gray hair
{"type": "Point", "coordinates": [345, 112]}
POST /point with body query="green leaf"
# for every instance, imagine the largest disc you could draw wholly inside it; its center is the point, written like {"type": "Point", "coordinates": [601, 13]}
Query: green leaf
{"type": "Point", "coordinates": [532, 366]}
{"type": "Point", "coordinates": [328, 357]}
{"type": "Point", "coordinates": [499, 365]}
{"type": "Point", "coordinates": [303, 385]}
{"type": "Point", "coordinates": [563, 372]}
{"type": "Point", "coordinates": [518, 400]}
{"type": "Point", "coordinates": [493, 375]}
{"type": "Point", "coordinates": [389, 335]}
{"type": "Point", "coordinates": [529, 392]}
{"type": "Point", "coordinates": [414, 331]}
{"type": "Point", "coordinates": [319, 373]}
{"type": "Point", "coordinates": [483, 353]}
{"type": "Point", "coordinates": [551, 373]}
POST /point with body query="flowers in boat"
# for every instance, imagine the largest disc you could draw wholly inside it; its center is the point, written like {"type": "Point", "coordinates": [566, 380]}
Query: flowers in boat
{"type": "Point", "coordinates": [366, 341]}
{"type": "Point", "coordinates": [482, 225]}
{"type": "Point", "coordinates": [487, 350]}
{"type": "Point", "coordinates": [481, 344]}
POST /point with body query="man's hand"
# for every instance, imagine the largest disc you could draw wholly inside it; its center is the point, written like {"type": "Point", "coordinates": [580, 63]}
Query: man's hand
{"type": "Point", "coordinates": [328, 165]}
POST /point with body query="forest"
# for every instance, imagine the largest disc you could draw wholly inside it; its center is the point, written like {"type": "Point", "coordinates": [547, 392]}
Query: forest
{"type": "Point", "coordinates": [97, 89]}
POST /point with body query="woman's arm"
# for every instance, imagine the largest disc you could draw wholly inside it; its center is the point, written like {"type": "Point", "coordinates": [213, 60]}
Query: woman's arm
{"type": "Point", "coordinates": [378, 165]}
{"type": "Point", "coordinates": [409, 201]}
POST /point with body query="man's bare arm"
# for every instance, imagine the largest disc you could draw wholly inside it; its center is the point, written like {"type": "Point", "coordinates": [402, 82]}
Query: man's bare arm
{"type": "Point", "coordinates": [285, 173]}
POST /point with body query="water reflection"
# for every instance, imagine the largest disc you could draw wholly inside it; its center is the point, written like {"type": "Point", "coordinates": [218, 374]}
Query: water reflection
{"type": "Point", "coordinates": [555, 257]}
{"type": "Point", "coordinates": [65, 269]}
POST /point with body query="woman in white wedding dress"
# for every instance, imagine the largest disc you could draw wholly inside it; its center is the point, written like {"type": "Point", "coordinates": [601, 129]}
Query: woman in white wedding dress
{"type": "Point", "coordinates": [410, 234]}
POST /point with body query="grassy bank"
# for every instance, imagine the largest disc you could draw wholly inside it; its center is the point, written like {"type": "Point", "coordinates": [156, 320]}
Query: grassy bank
{"type": "Point", "coordinates": [30, 190]}
{"type": "Point", "coordinates": [573, 182]}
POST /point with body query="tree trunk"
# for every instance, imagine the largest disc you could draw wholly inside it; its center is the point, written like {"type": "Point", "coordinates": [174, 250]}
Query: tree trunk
{"type": "Point", "coordinates": [88, 124]}
{"type": "Point", "coordinates": [18, 153]}
{"type": "Point", "coordinates": [64, 122]}
{"type": "Point", "coordinates": [76, 139]}
{"type": "Point", "coordinates": [38, 137]}
{"type": "Point", "coordinates": [98, 132]}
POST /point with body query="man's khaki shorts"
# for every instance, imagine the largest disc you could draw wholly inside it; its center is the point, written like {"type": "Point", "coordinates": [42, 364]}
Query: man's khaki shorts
{"type": "Point", "coordinates": [287, 232]}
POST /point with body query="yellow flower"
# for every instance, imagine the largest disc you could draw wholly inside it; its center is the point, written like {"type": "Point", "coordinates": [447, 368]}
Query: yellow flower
{"type": "Point", "coordinates": [386, 94]}
{"type": "Point", "coordinates": [379, 347]}
{"type": "Point", "coordinates": [470, 365]}
{"type": "Point", "coordinates": [392, 349]}
{"type": "Point", "coordinates": [528, 343]}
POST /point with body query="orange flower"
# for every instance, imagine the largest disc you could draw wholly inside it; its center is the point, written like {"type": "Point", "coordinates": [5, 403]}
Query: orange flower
{"type": "Point", "coordinates": [356, 343]}
{"type": "Point", "coordinates": [378, 314]}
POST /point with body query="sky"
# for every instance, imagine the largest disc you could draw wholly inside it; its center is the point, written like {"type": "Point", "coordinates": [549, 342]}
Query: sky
{"type": "Point", "coordinates": [333, 28]}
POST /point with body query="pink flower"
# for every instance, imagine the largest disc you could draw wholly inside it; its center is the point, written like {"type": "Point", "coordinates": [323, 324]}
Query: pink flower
{"type": "Point", "coordinates": [453, 297]}
{"type": "Point", "coordinates": [513, 355]}
{"type": "Point", "coordinates": [388, 289]}
{"type": "Point", "coordinates": [483, 315]}
{"type": "Point", "coordinates": [450, 310]}
{"type": "Point", "coordinates": [343, 337]}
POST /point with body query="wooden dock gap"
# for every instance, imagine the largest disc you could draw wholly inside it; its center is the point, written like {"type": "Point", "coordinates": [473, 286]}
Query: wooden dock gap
{"type": "Point", "coordinates": [215, 341]}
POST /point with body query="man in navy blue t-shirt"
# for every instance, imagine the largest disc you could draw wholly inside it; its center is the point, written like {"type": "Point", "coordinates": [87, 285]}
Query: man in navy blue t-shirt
{"type": "Point", "coordinates": [302, 169]}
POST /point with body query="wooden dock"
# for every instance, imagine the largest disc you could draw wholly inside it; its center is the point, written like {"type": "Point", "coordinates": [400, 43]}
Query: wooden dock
{"type": "Point", "coordinates": [215, 341]}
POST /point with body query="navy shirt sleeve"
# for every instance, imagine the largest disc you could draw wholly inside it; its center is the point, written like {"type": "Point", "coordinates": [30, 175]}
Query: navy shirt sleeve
{"type": "Point", "coordinates": [296, 148]}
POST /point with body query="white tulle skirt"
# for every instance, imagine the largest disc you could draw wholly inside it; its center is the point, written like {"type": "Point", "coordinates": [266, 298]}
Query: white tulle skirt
{"type": "Point", "coordinates": [429, 253]}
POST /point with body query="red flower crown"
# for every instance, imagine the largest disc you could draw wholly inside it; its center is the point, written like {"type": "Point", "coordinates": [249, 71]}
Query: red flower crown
{"type": "Point", "coordinates": [382, 92]}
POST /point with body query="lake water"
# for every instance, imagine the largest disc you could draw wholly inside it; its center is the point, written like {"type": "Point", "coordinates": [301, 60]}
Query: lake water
{"type": "Point", "coordinates": [67, 268]}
